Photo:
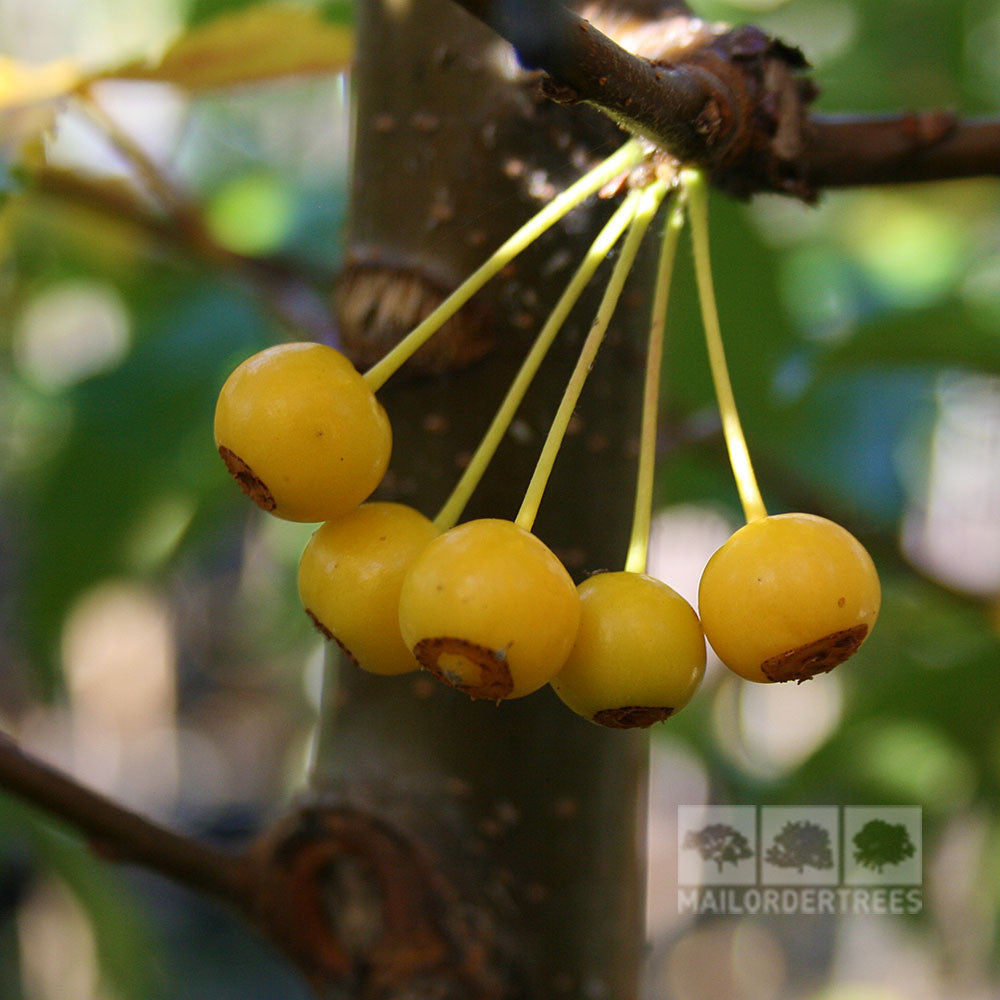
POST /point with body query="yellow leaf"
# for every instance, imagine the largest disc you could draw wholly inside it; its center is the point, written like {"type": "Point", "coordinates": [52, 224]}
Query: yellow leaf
{"type": "Point", "coordinates": [28, 96]}
{"type": "Point", "coordinates": [258, 43]}
{"type": "Point", "coordinates": [22, 85]}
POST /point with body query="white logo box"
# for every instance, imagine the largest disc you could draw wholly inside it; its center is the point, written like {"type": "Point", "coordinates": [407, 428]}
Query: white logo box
{"type": "Point", "coordinates": [793, 846]}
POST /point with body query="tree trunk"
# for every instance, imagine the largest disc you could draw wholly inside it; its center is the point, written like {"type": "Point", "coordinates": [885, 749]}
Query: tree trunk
{"type": "Point", "coordinates": [532, 817]}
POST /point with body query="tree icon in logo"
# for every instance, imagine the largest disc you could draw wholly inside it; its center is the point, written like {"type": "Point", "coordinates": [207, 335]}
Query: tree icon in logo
{"type": "Point", "coordinates": [719, 842]}
{"type": "Point", "coordinates": [801, 844]}
{"type": "Point", "coordinates": [878, 844]}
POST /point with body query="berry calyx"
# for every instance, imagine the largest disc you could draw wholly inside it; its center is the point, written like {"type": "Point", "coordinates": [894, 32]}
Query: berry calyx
{"type": "Point", "coordinates": [302, 432]}
{"type": "Point", "coordinates": [350, 576]}
{"type": "Point", "coordinates": [487, 608]}
{"type": "Point", "coordinates": [639, 654]}
{"type": "Point", "coordinates": [788, 597]}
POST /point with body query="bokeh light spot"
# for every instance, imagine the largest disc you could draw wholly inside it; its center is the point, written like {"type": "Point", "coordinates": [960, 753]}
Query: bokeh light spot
{"type": "Point", "coordinates": [252, 215]}
{"type": "Point", "coordinates": [914, 762]}
{"type": "Point", "coordinates": [912, 252]}
{"type": "Point", "coordinates": [69, 332]}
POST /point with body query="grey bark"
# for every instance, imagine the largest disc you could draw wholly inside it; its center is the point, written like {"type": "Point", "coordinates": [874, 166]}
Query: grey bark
{"type": "Point", "coordinates": [537, 815]}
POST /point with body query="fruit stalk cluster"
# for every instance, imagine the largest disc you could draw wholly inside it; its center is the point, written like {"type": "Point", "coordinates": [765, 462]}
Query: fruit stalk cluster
{"type": "Point", "coordinates": [485, 606]}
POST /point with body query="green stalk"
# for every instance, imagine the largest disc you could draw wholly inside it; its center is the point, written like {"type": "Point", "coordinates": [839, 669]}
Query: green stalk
{"type": "Point", "coordinates": [452, 509]}
{"type": "Point", "coordinates": [627, 156]}
{"type": "Point", "coordinates": [739, 456]}
{"type": "Point", "coordinates": [646, 208]}
{"type": "Point", "coordinates": [638, 549]}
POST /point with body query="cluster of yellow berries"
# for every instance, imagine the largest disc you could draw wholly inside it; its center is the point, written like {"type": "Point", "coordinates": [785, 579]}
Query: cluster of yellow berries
{"type": "Point", "coordinates": [485, 605]}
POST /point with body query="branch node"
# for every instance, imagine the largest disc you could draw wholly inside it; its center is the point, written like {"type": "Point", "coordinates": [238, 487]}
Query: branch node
{"type": "Point", "coordinates": [928, 128]}
{"type": "Point", "coordinates": [357, 901]}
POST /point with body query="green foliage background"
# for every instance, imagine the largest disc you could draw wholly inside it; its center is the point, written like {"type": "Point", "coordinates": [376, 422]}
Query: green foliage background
{"type": "Point", "coordinates": [841, 323]}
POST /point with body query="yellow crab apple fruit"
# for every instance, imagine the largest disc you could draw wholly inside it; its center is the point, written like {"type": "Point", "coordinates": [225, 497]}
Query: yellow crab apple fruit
{"type": "Point", "coordinates": [788, 597]}
{"type": "Point", "coordinates": [301, 431]}
{"type": "Point", "coordinates": [639, 654]}
{"type": "Point", "coordinates": [488, 609]}
{"type": "Point", "coordinates": [350, 576]}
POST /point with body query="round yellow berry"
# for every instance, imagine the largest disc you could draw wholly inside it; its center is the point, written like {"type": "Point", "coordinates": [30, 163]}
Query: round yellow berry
{"type": "Point", "coordinates": [788, 597]}
{"type": "Point", "coordinates": [302, 432]}
{"type": "Point", "coordinates": [350, 575]}
{"type": "Point", "coordinates": [487, 608]}
{"type": "Point", "coordinates": [639, 653]}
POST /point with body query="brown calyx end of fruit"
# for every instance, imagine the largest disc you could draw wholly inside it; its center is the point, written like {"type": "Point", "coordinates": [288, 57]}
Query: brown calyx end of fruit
{"type": "Point", "coordinates": [249, 482]}
{"type": "Point", "coordinates": [632, 717]}
{"type": "Point", "coordinates": [320, 627]}
{"type": "Point", "coordinates": [346, 651]}
{"type": "Point", "coordinates": [494, 681]}
{"type": "Point", "coordinates": [328, 635]}
{"type": "Point", "coordinates": [814, 658]}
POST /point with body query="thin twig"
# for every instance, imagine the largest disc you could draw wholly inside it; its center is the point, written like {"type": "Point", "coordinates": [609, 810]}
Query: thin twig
{"type": "Point", "coordinates": [659, 102]}
{"type": "Point", "coordinates": [735, 103]}
{"type": "Point", "coordinates": [150, 173]}
{"type": "Point", "coordinates": [932, 146]}
{"type": "Point", "coordinates": [119, 833]}
{"type": "Point", "coordinates": [292, 290]}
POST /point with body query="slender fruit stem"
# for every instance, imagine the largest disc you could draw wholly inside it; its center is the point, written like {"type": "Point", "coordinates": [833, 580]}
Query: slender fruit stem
{"type": "Point", "coordinates": [122, 835]}
{"type": "Point", "coordinates": [638, 549]}
{"type": "Point", "coordinates": [136, 157]}
{"type": "Point", "coordinates": [739, 457]}
{"type": "Point", "coordinates": [627, 156]}
{"type": "Point", "coordinates": [606, 239]}
{"type": "Point", "coordinates": [646, 207]}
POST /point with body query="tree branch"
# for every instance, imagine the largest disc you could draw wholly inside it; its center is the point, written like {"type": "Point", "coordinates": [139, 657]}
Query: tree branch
{"type": "Point", "coordinates": [931, 146]}
{"type": "Point", "coordinates": [350, 898]}
{"type": "Point", "coordinates": [662, 103]}
{"type": "Point", "coordinates": [734, 101]}
{"type": "Point", "coordinates": [120, 834]}
{"type": "Point", "coordinates": [291, 290]}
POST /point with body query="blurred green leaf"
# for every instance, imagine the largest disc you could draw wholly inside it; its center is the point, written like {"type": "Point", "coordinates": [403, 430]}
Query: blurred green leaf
{"type": "Point", "coordinates": [197, 12]}
{"type": "Point", "coordinates": [11, 180]}
{"type": "Point", "coordinates": [339, 11]}
{"type": "Point", "coordinates": [945, 335]}
{"type": "Point", "coordinates": [126, 947]}
{"type": "Point", "coordinates": [138, 435]}
{"type": "Point", "coordinates": [837, 443]}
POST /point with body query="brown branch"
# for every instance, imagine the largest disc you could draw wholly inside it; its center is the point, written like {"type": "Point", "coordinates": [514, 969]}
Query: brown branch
{"type": "Point", "coordinates": [663, 103]}
{"type": "Point", "coordinates": [931, 146]}
{"type": "Point", "coordinates": [117, 201]}
{"type": "Point", "coordinates": [150, 173]}
{"type": "Point", "coordinates": [735, 103]}
{"type": "Point", "coordinates": [348, 897]}
{"type": "Point", "coordinates": [292, 290]}
{"type": "Point", "coordinates": [120, 834]}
